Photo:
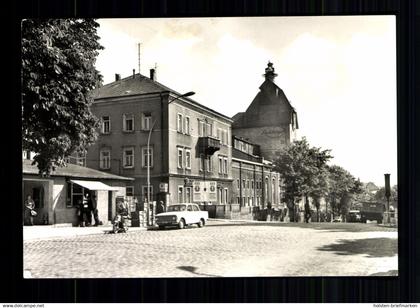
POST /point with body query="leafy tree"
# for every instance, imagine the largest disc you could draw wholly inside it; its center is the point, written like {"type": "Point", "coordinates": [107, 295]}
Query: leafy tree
{"type": "Point", "coordinates": [380, 194]}
{"type": "Point", "coordinates": [302, 168]}
{"type": "Point", "coordinates": [58, 72]}
{"type": "Point", "coordinates": [341, 189]}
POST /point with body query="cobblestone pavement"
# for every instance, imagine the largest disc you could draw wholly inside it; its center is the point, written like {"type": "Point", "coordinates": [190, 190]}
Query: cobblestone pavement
{"type": "Point", "coordinates": [220, 249]}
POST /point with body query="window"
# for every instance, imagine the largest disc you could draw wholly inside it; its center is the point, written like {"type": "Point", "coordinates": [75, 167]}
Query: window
{"type": "Point", "coordinates": [128, 122]}
{"type": "Point", "coordinates": [180, 194]}
{"type": "Point", "coordinates": [209, 164]}
{"type": "Point", "coordinates": [209, 131]}
{"type": "Point", "coordinates": [220, 164]}
{"type": "Point", "coordinates": [147, 157]}
{"type": "Point", "coordinates": [252, 184]}
{"type": "Point", "coordinates": [74, 194]}
{"type": "Point", "coordinates": [247, 184]}
{"type": "Point", "coordinates": [146, 121]}
{"type": "Point", "coordinates": [238, 200]}
{"type": "Point", "coordinates": [144, 190]}
{"type": "Point", "coordinates": [220, 191]}
{"type": "Point", "coordinates": [187, 125]}
{"type": "Point", "coordinates": [243, 183]}
{"type": "Point", "coordinates": [180, 156]}
{"type": "Point", "coordinates": [226, 196]}
{"type": "Point", "coordinates": [187, 158]}
{"type": "Point", "coordinates": [179, 123]}
{"type": "Point", "coordinates": [81, 159]}
{"type": "Point", "coordinates": [128, 158]}
{"type": "Point", "coordinates": [238, 183]}
{"type": "Point", "coordinates": [201, 128]}
{"type": "Point", "coordinates": [225, 166]}
{"type": "Point", "coordinates": [129, 191]}
{"type": "Point", "coordinates": [105, 159]}
{"type": "Point", "coordinates": [106, 125]}
{"type": "Point", "coordinates": [188, 194]}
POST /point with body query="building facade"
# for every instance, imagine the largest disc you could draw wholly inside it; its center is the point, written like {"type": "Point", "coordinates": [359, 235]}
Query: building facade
{"type": "Point", "coordinates": [58, 196]}
{"type": "Point", "coordinates": [255, 183]}
{"type": "Point", "coordinates": [270, 120]}
{"type": "Point", "coordinates": [189, 154]}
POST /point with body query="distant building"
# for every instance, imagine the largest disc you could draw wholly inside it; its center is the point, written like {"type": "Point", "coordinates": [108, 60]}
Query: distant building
{"type": "Point", "coordinates": [190, 150]}
{"type": "Point", "coordinates": [270, 121]}
{"type": "Point", "coordinates": [254, 181]}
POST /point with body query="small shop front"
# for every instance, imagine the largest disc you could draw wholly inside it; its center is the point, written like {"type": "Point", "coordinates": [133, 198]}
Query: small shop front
{"type": "Point", "coordinates": [58, 197]}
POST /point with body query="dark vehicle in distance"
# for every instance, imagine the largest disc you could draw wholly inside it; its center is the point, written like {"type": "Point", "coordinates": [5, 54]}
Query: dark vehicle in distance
{"type": "Point", "coordinates": [354, 216]}
{"type": "Point", "coordinates": [372, 211]}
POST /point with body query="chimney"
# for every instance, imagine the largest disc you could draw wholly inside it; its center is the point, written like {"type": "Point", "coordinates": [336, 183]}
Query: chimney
{"type": "Point", "coordinates": [134, 73]}
{"type": "Point", "coordinates": [152, 74]}
{"type": "Point", "coordinates": [117, 77]}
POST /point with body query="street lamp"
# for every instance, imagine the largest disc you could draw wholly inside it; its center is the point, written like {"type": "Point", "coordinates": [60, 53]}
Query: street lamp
{"type": "Point", "coordinates": [148, 144]}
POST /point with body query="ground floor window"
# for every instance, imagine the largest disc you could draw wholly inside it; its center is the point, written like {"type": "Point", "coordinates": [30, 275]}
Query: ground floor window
{"type": "Point", "coordinates": [226, 195]}
{"type": "Point", "coordinates": [180, 194]}
{"type": "Point", "coordinates": [144, 191]}
{"type": "Point", "coordinates": [188, 194]}
{"type": "Point", "coordinates": [129, 191]}
{"type": "Point", "coordinates": [75, 194]}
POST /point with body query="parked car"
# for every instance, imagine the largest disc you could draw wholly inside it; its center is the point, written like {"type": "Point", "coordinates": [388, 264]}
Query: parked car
{"type": "Point", "coordinates": [181, 215]}
{"type": "Point", "coordinates": [354, 216]}
{"type": "Point", "coordinates": [337, 219]}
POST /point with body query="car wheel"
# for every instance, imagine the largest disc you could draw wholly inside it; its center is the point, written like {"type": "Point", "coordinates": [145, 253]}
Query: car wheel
{"type": "Point", "coordinates": [161, 227]}
{"type": "Point", "coordinates": [181, 224]}
{"type": "Point", "coordinates": [200, 224]}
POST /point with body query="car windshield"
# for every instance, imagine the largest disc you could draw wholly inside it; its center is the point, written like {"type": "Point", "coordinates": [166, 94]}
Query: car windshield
{"type": "Point", "coordinates": [176, 207]}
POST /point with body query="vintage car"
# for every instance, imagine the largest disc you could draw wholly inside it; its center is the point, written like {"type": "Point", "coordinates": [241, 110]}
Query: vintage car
{"type": "Point", "coordinates": [181, 215]}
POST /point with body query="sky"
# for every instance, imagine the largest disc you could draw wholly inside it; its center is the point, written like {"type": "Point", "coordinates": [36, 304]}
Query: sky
{"type": "Point", "coordinates": [338, 72]}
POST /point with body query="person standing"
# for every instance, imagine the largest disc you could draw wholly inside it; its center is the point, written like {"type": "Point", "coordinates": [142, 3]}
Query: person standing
{"type": "Point", "coordinates": [29, 211]}
{"type": "Point", "coordinates": [160, 208]}
{"type": "Point", "coordinates": [85, 210]}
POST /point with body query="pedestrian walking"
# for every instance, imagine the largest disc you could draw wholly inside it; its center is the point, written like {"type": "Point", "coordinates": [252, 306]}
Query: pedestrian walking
{"type": "Point", "coordinates": [29, 211]}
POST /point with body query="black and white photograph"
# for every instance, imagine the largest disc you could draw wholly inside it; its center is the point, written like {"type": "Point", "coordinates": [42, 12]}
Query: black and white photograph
{"type": "Point", "coordinates": [209, 147]}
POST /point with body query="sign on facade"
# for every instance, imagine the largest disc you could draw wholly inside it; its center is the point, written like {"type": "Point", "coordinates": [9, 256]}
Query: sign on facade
{"type": "Point", "coordinates": [205, 191]}
{"type": "Point", "coordinates": [163, 187]}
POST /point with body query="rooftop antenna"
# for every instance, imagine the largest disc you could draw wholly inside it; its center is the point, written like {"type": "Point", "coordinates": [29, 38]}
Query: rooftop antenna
{"type": "Point", "coordinates": [139, 52]}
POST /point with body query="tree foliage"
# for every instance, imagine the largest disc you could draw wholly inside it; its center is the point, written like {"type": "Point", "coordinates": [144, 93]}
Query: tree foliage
{"type": "Point", "coordinates": [58, 72]}
{"type": "Point", "coordinates": [380, 194]}
{"type": "Point", "coordinates": [303, 169]}
{"type": "Point", "coordinates": [342, 187]}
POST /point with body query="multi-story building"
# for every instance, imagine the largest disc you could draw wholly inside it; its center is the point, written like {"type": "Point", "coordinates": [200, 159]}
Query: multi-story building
{"type": "Point", "coordinates": [270, 120]}
{"type": "Point", "coordinates": [189, 155]}
{"type": "Point", "coordinates": [254, 181]}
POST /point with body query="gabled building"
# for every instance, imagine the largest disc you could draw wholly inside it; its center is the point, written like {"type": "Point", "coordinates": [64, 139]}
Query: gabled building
{"type": "Point", "coordinates": [270, 120]}
{"type": "Point", "coordinates": [189, 154]}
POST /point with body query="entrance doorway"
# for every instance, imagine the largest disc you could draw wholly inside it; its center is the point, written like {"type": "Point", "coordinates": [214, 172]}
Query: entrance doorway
{"type": "Point", "coordinates": [38, 191]}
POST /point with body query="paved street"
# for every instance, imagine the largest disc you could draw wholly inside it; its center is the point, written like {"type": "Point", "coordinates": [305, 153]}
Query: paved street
{"type": "Point", "coordinates": [220, 249]}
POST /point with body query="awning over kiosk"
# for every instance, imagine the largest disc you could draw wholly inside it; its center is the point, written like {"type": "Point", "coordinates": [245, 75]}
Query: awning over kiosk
{"type": "Point", "coordinates": [93, 185]}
